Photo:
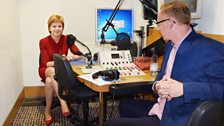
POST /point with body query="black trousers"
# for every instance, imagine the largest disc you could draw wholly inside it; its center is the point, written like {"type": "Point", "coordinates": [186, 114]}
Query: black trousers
{"type": "Point", "coordinates": [134, 113]}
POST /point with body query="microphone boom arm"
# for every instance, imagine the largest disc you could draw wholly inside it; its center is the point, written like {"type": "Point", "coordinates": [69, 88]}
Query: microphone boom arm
{"type": "Point", "coordinates": [71, 41]}
{"type": "Point", "coordinates": [84, 46]}
{"type": "Point", "coordinates": [87, 55]}
{"type": "Point", "coordinates": [109, 22]}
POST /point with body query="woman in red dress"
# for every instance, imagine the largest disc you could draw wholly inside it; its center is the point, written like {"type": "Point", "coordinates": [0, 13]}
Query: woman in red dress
{"type": "Point", "coordinates": [51, 44]}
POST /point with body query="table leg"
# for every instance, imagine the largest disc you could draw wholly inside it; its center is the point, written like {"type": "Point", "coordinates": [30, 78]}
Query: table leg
{"type": "Point", "coordinates": [102, 114]}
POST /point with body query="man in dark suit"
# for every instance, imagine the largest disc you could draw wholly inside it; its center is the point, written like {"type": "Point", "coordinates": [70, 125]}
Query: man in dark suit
{"type": "Point", "coordinates": [192, 72]}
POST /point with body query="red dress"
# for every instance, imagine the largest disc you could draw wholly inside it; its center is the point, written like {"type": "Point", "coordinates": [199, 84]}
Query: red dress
{"type": "Point", "coordinates": [48, 47]}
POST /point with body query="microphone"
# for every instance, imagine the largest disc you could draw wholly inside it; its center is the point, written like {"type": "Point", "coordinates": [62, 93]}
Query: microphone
{"type": "Point", "coordinates": [123, 41]}
{"type": "Point", "coordinates": [149, 5]}
{"type": "Point", "coordinates": [71, 39]}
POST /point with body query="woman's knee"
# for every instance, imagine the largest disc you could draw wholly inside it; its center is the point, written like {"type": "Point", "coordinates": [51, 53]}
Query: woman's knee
{"type": "Point", "coordinates": [48, 82]}
{"type": "Point", "coordinates": [50, 72]}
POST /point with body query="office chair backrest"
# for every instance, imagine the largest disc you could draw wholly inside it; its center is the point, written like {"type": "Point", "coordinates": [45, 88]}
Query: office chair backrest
{"type": "Point", "coordinates": [64, 75]}
{"type": "Point", "coordinates": [209, 113]}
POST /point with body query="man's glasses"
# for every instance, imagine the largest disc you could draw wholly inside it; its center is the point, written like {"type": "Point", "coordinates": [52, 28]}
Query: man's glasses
{"type": "Point", "coordinates": [159, 22]}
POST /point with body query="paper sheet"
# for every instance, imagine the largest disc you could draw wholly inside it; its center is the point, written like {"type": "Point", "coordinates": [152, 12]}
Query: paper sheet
{"type": "Point", "coordinates": [91, 70]}
{"type": "Point", "coordinates": [99, 81]}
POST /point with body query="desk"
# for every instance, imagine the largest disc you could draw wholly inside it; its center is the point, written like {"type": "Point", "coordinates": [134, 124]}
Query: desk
{"type": "Point", "coordinates": [105, 88]}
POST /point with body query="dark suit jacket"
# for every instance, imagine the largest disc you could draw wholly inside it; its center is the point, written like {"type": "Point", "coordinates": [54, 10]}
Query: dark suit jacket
{"type": "Point", "coordinates": [199, 65]}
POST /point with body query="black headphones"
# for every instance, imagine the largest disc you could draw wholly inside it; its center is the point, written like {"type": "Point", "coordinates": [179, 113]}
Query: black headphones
{"type": "Point", "coordinates": [107, 75]}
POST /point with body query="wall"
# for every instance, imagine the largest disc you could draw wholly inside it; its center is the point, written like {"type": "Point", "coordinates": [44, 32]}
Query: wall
{"type": "Point", "coordinates": [212, 19]}
{"type": "Point", "coordinates": [10, 53]}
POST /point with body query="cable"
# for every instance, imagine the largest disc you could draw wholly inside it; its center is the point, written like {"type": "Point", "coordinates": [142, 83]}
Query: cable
{"type": "Point", "coordinates": [113, 100]}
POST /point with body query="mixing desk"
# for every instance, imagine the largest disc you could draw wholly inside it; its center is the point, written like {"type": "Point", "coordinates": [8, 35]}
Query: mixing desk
{"type": "Point", "coordinates": [120, 60]}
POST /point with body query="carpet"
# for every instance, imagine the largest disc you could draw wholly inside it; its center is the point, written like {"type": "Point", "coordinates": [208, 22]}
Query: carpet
{"type": "Point", "coordinates": [31, 113]}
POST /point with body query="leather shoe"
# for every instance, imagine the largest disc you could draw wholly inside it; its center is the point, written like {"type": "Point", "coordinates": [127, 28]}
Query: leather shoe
{"type": "Point", "coordinates": [65, 114]}
{"type": "Point", "coordinates": [48, 122]}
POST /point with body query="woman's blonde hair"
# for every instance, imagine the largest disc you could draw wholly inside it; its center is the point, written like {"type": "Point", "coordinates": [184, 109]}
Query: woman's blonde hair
{"type": "Point", "coordinates": [55, 18]}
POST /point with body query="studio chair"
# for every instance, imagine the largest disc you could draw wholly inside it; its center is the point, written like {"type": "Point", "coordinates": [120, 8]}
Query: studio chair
{"type": "Point", "coordinates": [209, 113]}
{"type": "Point", "coordinates": [69, 88]}
{"type": "Point", "coordinates": [55, 101]}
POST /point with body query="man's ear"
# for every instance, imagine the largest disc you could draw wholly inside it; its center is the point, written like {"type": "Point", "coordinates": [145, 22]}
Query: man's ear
{"type": "Point", "coordinates": [172, 22]}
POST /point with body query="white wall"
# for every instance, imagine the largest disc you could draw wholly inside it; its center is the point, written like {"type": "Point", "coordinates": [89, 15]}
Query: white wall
{"type": "Point", "coordinates": [212, 19]}
{"type": "Point", "coordinates": [10, 53]}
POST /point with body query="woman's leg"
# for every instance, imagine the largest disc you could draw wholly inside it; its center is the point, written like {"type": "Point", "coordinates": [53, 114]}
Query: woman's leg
{"type": "Point", "coordinates": [64, 106]}
{"type": "Point", "coordinates": [49, 93]}
{"type": "Point", "coordinates": [54, 84]}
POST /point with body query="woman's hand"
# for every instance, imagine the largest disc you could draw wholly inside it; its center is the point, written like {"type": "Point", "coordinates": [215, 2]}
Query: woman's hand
{"type": "Point", "coordinates": [50, 64]}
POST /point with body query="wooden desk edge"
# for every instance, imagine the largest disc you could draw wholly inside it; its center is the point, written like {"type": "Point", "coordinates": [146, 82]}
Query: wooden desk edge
{"type": "Point", "coordinates": [123, 80]}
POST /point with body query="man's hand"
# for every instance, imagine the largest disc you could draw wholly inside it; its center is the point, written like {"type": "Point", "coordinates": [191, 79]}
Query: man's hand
{"type": "Point", "coordinates": [162, 89]}
{"type": "Point", "coordinates": [169, 88]}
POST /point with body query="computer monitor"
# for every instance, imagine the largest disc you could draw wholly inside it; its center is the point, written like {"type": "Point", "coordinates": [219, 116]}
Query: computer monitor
{"type": "Point", "coordinates": [194, 6]}
{"type": "Point", "coordinates": [123, 22]}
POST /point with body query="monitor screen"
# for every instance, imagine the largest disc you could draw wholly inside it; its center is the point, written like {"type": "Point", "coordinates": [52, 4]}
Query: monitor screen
{"type": "Point", "coordinates": [123, 22]}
